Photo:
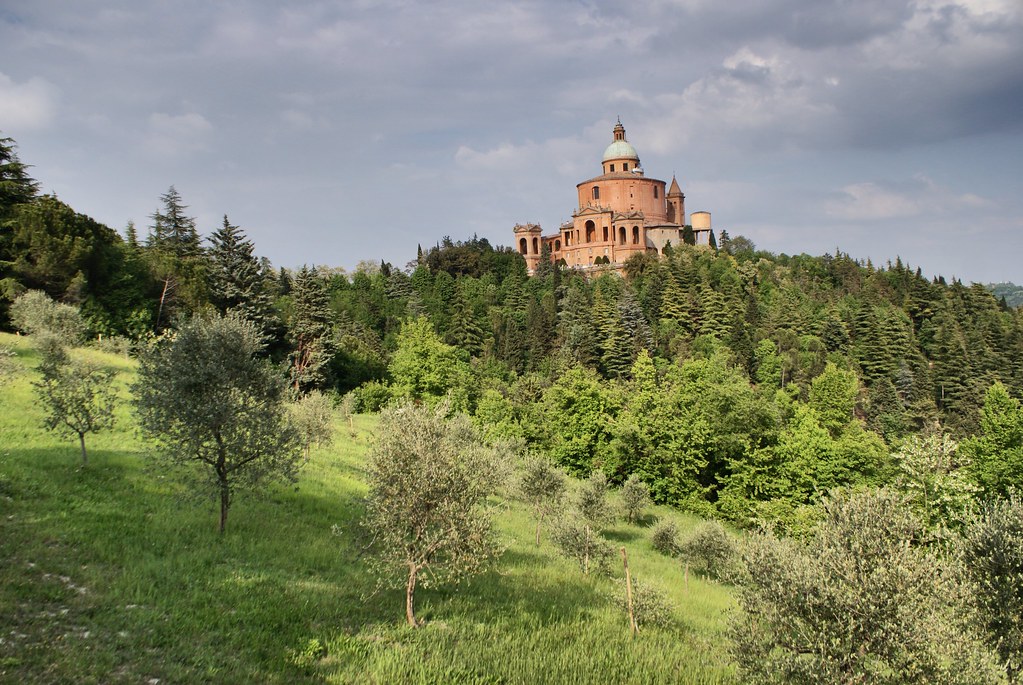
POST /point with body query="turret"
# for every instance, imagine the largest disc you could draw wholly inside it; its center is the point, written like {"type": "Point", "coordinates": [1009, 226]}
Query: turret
{"type": "Point", "coordinates": [676, 203]}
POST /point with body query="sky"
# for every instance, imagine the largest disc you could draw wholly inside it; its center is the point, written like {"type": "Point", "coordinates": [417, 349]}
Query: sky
{"type": "Point", "coordinates": [339, 132]}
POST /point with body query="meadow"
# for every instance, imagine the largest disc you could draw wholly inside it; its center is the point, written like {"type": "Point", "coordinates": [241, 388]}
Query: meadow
{"type": "Point", "coordinates": [113, 573]}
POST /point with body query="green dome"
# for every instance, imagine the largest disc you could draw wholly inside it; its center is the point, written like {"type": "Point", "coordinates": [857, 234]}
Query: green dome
{"type": "Point", "coordinates": [620, 149]}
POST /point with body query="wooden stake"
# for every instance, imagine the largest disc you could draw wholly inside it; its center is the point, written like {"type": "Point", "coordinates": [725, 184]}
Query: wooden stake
{"type": "Point", "coordinates": [628, 593]}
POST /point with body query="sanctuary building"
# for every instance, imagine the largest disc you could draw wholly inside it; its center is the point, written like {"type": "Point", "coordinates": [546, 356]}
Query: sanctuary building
{"type": "Point", "coordinates": [621, 212]}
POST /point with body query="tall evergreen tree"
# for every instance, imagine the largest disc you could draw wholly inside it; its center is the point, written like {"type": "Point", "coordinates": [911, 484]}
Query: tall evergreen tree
{"type": "Point", "coordinates": [172, 230]}
{"type": "Point", "coordinates": [237, 281]}
{"type": "Point", "coordinates": [309, 330]}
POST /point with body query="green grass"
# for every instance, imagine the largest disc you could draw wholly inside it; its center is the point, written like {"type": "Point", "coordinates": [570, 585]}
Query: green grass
{"type": "Point", "coordinates": [110, 574]}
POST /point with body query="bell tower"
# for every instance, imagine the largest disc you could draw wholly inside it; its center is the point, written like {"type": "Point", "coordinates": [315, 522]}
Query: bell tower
{"type": "Point", "coordinates": [676, 203]}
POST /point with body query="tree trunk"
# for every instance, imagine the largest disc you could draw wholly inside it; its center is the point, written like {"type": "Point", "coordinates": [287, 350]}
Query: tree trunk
{"type": "Point", "coordinates": [410, 592]}
{"type": "Point", "coordinates": [81, 441]}
{"type": "Point", "coordinates": [538, 520]}
{"type": "Point", "coordinates": [225, 502]}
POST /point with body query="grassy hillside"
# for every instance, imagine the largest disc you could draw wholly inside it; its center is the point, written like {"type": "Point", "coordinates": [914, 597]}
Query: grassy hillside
{"type": "Point", "coordinates": [111, 573]}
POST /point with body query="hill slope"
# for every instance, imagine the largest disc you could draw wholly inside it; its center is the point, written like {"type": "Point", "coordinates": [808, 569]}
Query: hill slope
{"type": "Point", "coordinates": [110, 573]}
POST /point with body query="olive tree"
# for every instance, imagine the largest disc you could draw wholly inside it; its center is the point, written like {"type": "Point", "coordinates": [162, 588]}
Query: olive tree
{"type": "Point", "coordinates": [576, 539]}
{"type": "Point", "coordinates": [635, 498]}
{"type": "Point", "coordinates": [427, 510]}
{"type": "Point", "coordinates": [216, 409]}
{"type": "Point", "coordinates": [593, 503]}
{"type": "Point", "coordinates": [34, 313]}
{"type": "Point", "coordinates": [543, 486]}
{"type": "Point", "coordinates": [992, 548]}
{"type": "Point", "coordinates": [312, 416]}
{"type": "Point", "coordinates": [78, 397]}
{"type": "Point", "coordinates": [859, 602]}
{"type": "Point", "coordinates": [709, 549]}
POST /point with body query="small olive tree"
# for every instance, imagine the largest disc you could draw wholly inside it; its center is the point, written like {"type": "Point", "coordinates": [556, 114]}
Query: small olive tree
{"type": "Point", "coordinates": [635, 498]}
{"type": "Point", "coordinates": [543, 486]}
{"type": "Point", "coordinates": [592, 501]}
{"type": "Point", "coordinates": [650, 604]}
{"type": "Point", "coordinates": [427, 511]}
{"type": "Point", "coordinates": [78, 397]}
{"type": "Point", "coordinates": [216, 409]}
{"type": "Point", "coordinates": [576, 539]}
{"type": "Point", "coordinates": [709, 549]}
{"type": "Point", "coordinates": [665, 538]}
{"type": "Point", "coordinates": [312, 416]}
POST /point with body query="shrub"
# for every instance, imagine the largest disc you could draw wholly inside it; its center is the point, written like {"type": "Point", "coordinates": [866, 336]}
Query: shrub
{"type": "Point", "coordinates": [593, 503]}
{"type": "Point", "coordinates": [858, 603]}
{"type": "Point", "coordinates": [993, 552]}
{"type": "Point", "coordinates": [635, 497]}
{"type": "Point", "coordinates": [34, 313]}
{"type": "Point", "coordinates": [709, 549]}
{"type": "Point", "coordinates": [650, 604]}
{"type": "Point", "coordinates": [373, 396]}
{"type": "Point", "coordinates": [115, 344]}
{"type": "Point", "coordinates": [665, 538]}
{"type": "Point", "coordinates": [577, 540]}
{"type": "Point", "coordinates": [7, 367]}
{"type": "Point", "coordinates": [543, 485]}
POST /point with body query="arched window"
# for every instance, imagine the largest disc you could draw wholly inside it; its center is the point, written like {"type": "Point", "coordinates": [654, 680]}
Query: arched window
{"type": "Point", "coordinates": [557, 245]}
{"type": "Point", "coordinates": [596, 192]}
{"type": "Point", "coordinates": [621, 235]}
{"type": "Point", "coordinates": [591, 230]}
{"type": "Point", "coordinates": [522, 245]}
{"type": "Point", "coordinates": [635, 235]}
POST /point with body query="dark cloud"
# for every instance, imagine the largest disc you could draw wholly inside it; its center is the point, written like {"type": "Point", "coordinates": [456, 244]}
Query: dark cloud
{"type": "Point", "coordinates": [336, 132]}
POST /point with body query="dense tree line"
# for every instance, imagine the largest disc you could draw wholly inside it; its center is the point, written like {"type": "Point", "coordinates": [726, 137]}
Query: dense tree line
{"type": "Point", "coordinates": [733, 382]}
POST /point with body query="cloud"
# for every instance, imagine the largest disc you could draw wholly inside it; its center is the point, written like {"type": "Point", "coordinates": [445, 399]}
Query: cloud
{"type": "Point", "coordinates": [28, 105]}
{"type": "Point", "coordinates": [920, 196]}
{"type": "Point", "coordinates": [173, 135]}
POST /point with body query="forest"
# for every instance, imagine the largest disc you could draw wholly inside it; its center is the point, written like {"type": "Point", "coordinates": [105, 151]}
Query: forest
{"type": "Point", "coordinates": [765, 391]}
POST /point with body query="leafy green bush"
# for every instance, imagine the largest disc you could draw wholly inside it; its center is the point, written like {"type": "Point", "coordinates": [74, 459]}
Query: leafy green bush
{"type": "Point", "coordinates": [665, 538]}
{"type": "Point", "coordinates": [578, 541]}
{"type": "Point", "coordinates": [593, 503]}
{"type": "Point", "coordinates": [373, 396]}
{"type": "Point", "coordinates": [34, 313]}
{"type": "Point", "coordinates": [858, 603]}
{"type": "Point", "coordinates": [635, 497]}
{"type": "Point", "coordinates": [993, 552]}
{"type": "Point", "coordinates": [709, 549]}
{"type": "Point", "coordinates": [650, 604]}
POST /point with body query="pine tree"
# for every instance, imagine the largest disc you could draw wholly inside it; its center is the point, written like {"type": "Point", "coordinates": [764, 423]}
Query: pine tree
{"type": "Point", "coordinates": [309, 330]}
{"type": "Point", "coordinates": [173, 231]}
{"type": "Point", "coordinates": [237, 281]}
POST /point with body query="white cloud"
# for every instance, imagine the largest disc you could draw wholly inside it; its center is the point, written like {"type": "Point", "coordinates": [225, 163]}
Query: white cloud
{"type": "Point", "coordinates": [28, 105]}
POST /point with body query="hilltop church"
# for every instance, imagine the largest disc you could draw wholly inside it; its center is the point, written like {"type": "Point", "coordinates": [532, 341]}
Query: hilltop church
{"type": "Point", "coordinates": [621, 212]}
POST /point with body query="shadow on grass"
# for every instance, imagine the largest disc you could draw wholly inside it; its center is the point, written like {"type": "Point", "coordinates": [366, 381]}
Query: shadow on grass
{"type": "Point", "coordinates": [528, 587]}
{"type": "Point", "coordinates": [622, 535]}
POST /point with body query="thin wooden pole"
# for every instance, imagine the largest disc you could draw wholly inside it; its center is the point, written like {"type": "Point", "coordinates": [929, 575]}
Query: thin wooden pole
{"type": "Point", "coordinates": [628, 593]}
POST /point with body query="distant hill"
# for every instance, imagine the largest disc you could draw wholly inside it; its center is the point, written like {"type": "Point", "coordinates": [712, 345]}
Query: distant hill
{"type": "Point", "coordinates": [1012, 293]}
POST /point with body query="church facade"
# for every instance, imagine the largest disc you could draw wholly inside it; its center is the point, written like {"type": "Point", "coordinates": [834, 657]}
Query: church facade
{"type": "Point", "coordinates": [620, 213]}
